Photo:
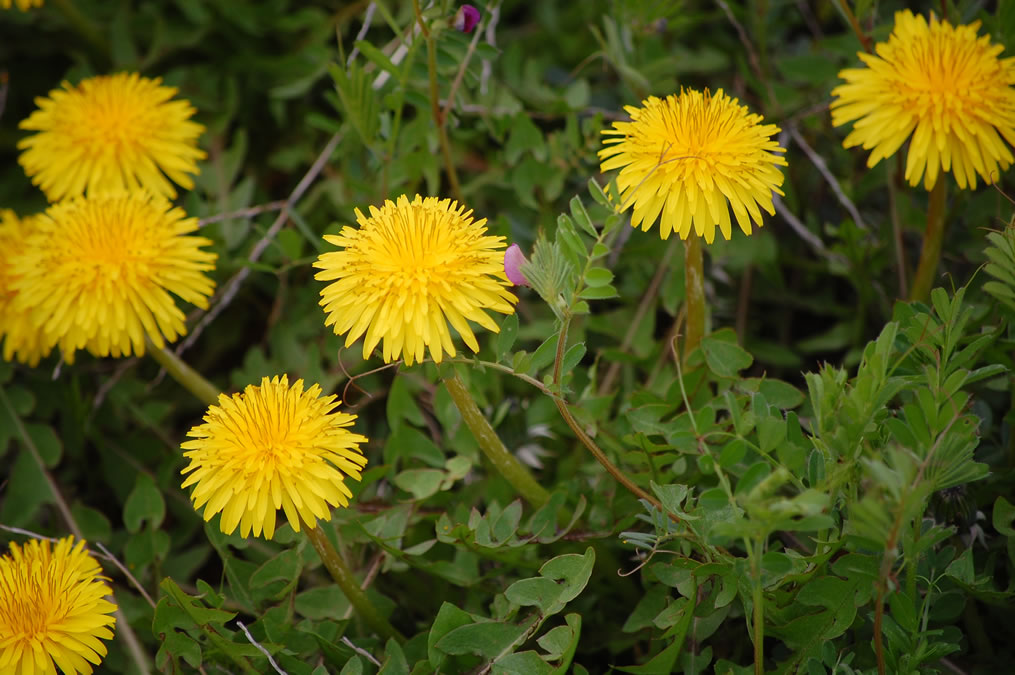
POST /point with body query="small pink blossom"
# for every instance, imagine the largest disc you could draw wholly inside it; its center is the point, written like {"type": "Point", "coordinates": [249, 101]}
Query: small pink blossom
{"type": "Point", "coordinates": [466, 18]}
{"type": "Point", "coordinates": [513, 260]}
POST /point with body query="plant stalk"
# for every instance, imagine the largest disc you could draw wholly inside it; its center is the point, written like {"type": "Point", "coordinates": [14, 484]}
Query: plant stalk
{"type": "Point", "coordinates": [596, 451]}
{"type": "Point", "coordinates": [930, 254]}
{"type": "Point", "coordinates": [694, 290]}
{"type": "Point", "coordinates": [435, 106]}
{"type": "Point", "coordinates": [491, 445]}
{"type": "Point", "coordinates": [191, 380]}
{"type": "Point", "coordinates": [346, 581]}
{"type": "Point", "coordinates": [759, 617]}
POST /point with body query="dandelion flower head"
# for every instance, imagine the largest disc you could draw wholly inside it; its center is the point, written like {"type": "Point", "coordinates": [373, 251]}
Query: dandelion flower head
{"type": "Point", "coordinates": [111, 132]}
{"type": "Point", "coordinates": [943, 88]}
{"type": "Point", "coordinates": [272, 447]}
{"type": "Point", "coordinates": [23, 5]}
{"type": "Point", "coordinates": [22, 338]}
{"type": "Point", "coordinates": [409, 270]}
{"type": "Point", "coordinates": [98, 272]}
{"type": "Point", "coordinates": [688, 159]}
{"type": "Point", "coordinates": [53, 609]}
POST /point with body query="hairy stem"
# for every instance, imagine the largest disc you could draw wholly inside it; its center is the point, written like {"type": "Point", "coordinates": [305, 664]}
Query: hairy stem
{"type": "Point", "coordinates": [346, 581]}
{"type": "Point", "coordinates": [930, 254]}
{"type": "Point", "coordinates": [491, 445]}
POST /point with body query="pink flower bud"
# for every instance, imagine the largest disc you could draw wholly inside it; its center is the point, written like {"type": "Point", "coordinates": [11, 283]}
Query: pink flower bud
{"type": "Point", "coordinates": [466, 18]}
{"type": "Point", "coordinates": [513, 260]}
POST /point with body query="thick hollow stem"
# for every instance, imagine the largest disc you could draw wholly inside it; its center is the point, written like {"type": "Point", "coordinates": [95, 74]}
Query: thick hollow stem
{"type": "Point", "coordinates": [191, 380]}
{"type": "Point", "coordinates": [491, 445]}
{"type": "Point", "coordinates": [346, 581]}
{"type": "Point", "coordinates": [694, 289]}
{"type": "Point", "coordinates": [930, 254]}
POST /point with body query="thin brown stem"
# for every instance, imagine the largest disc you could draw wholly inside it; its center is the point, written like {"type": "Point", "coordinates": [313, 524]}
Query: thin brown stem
{"type": "Point", "coordinates": [865, 41]}
{"type": "Point", "coordinates": [435, 106]}
{"type": "Point", "coordinates": [587, 441]}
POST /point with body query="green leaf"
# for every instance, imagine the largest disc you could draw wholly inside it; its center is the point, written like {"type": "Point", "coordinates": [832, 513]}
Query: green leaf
{"type": "Point", "coordinates": [521, 663]}
{"type": "Point", "coordinates": [487, 638]}
{"type": "Point", "coordinates": [448, 618]}
{"type": "Point", "coordinates": [507, 336]}
{"type": "Point", "coordinates": [725, 358]}
{"type": "Point", "coordinates": [581, 217]}
{"type": "Point", "coordinates": [524, 137]}
{"type": "Point", "coordinates": [144, 503]}
{"type": "Point", "coordinates": [596, 190]}
{"type": "Point", "coordinates": [598, 293]}
{"type": "Point", "coordinates": [1003, 517]}
{"type": "Point", "coordinates": [568, 236]}
{"type": "Point", "coordinates": [572, 357]}
{"type": "Point", "coordinates": [420, 483]}
{"type": "Point", "coordinates": [598, 276]}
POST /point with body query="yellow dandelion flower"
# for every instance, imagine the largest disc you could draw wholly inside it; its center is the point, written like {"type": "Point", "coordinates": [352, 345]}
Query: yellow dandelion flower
{"type": "Point", "coordinates": [111, 132]}
{"type": "Point", "coordinates": [21, 336]}
{"type": "Point", "coordinates": [23, 5]}
{"type": "Point", "coordinates": [409, 270]}
{"type": "Point", "coordinates": [53, 609]}
{"type": "Point", "coordinates": [97, 273]}
{"type": "Point", "coordinates": [688, 159]}
{"type": "Point", "coordinates": [272, 447]}
{"type": "Point", "coordinates": [941, 85]}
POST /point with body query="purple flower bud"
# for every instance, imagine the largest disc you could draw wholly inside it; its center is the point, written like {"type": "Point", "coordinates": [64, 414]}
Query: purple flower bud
{"type": "Point", "coordinates": [466, 18]}
{"type": "Point", "coordinates": [513, 260]}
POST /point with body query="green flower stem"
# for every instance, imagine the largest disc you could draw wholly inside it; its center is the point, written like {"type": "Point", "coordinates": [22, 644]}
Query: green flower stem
{"type": "Point", "coordinates": [930, 254]}
{"type": "Point", "coordinates": [758, 600]}
{"type": "Point", "coordinates": [346, 581]}
{"type": "Point", "coordinates": [694, 290]}
{"type": "Point", "coordinates": [191, 380]}
{"type": "Point", "coordinates": [491, 445]}
{"type": "Point", "coordinates": [85, 28]}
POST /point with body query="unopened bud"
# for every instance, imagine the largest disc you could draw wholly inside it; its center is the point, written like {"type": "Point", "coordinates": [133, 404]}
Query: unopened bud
{"type": "Point", "coordinates": [513, 261]}
{"type": "Point", "coordinates": [466, 18]}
